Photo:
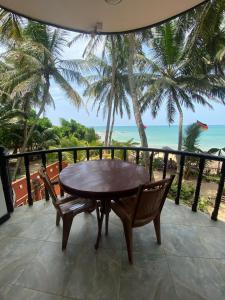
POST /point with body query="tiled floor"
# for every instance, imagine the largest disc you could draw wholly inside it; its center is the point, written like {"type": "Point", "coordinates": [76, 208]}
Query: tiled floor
{"type": "Point", "coordinates": [190, 263]}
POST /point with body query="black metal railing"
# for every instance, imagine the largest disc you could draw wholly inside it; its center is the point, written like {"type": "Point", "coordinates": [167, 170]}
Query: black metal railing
{"type": "Point", "coordinates": [137, 158]}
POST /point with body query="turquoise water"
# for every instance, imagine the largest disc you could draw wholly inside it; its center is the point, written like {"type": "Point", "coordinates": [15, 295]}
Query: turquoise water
{"type": "Point", "coordinates": [161, 136]}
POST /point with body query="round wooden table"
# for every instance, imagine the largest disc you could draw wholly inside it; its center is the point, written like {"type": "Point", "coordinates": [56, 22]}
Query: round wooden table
{"type": "Point", "coordinates": [103, 180]}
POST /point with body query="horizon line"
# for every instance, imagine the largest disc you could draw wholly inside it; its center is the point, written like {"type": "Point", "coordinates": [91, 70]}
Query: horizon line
{"type": "Point", "coordinates": [150, 125]}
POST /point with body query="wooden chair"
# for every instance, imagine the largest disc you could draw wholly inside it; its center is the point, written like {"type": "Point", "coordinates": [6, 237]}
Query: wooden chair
{"type": "Point", "coordinates": [142, 209]}
{"type": "Point", "coordinates": [68, 207]}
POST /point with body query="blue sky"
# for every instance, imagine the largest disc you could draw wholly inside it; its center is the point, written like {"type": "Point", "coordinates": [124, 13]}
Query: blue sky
{"type": "Point", "coordinates": [64, 109]}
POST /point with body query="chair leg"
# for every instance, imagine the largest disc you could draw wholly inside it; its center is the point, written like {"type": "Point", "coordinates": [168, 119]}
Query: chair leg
{"type": "Point", "coordinates": [98, 216]}
{"type": "Point", "coordinates": [57, 218]}
{"type": "Point", "coordinates": [67, 223]}
{"type": "Point", "coordinates": [157, 229]}
{"type": "Point", "coordinates": [129, 241]}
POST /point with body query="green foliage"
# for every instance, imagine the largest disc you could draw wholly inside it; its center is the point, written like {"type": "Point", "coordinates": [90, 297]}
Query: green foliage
{"type": "Point", "coordinates": [45, 135]}
{"type": "Point", "coordinates": [218, 151]}
{"type": "Point", "coordinates": [191, 144]}
{"type": "Point", "coordinates": [119, 153]}
{"type": "Point", "coordinates": [187, 196]}
{"type": "Point", "coordinates": [203, 204]}
{"type": "Point", "coordinates": [81, 132]}
{"type": "Point", "coordinates": [158, 163]}
{"type": "Point", "coordinates": [187, 192]}
{"type": "Point", "coordinates": [211, 178]}
{"type": "Point", "coordinates": [191, 139]}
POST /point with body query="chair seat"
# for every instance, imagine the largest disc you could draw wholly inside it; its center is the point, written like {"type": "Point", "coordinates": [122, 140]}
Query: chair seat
{"type": "Point", "coordinates": [76, 206]}
{"type": "Point", "coordinates": [127, 203]}
{"type": "Point", "coordinates": [66, 198]}
{"type": "Point", "coordinates": [124, 207]}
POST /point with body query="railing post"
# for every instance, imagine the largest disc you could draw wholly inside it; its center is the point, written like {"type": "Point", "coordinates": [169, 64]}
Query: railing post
{"type": "Point", "coordinates": [43, 159]}
{"type": "Point", "coordinates": [180, 177]}
{"type": "Point", "coordinates": [165, 164]}
{"type": "Point", "coordinates": [100, 154]}
{"type": "Point", "coordinates": [88, 154]}
{"type": "Point", "coordinates": [124, 154]}
{"type": "Point", "coordinates": [199, 182]}
{"type": "Point", "coordinates": [151, 166]}
{"type": "Point", "coordinates": [6, 182]}
{"type": "Point", "coordinates": [74, 156]}
{"type": "Point", "coordinates": [112, 153]}
{"type": "Point", "coordinates": [137, 156]}
{"type": "Point", "coordinates": [27, 169]}
{"type": "Point", "coordinates": [219, 193]}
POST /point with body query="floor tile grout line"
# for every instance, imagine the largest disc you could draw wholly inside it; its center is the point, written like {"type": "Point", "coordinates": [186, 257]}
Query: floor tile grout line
{"type": "Point", "coordinates": [28, 288]}
{"type": "Point", "coordinates": [190, 225]}
{"type": "Point", "coordinates": [171, 273]}
{"type": "Point", "coordinates": [195, 257]}
{"type": "Point", "coordinates": [121, 261]}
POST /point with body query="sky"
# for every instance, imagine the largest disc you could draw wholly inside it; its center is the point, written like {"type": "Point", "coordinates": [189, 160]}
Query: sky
{"type": "Point", "coordinates": [64, 109]}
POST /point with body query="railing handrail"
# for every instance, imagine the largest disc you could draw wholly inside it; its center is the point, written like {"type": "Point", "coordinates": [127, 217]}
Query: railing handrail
{"type": "Point", "coordinates": [169, 151]}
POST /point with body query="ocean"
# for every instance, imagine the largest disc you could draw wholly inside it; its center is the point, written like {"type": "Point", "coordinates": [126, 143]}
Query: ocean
{"type": "Point", "coordinates": [162, 136]}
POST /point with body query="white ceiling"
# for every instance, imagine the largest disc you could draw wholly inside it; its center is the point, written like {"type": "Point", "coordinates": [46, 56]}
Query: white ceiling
{"type": "Point", "coordinates": [83, 15]}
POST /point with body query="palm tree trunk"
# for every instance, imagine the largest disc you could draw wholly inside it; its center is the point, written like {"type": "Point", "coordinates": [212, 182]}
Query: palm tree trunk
{"type": "Point", "coordinates": [29, 133]}
{"type": "Point", "coordinates": [218, 167]}
{"type": "Point", "coordinates": [112, 125]}
{"type": "Point", "coordinates": [108, 123]}
{"type": "Point", "coordinates": [107, 141]}
{"type": "Point", "coordinates": [180, 134]}
{"type": "Point", "coordinates": [133, 93]}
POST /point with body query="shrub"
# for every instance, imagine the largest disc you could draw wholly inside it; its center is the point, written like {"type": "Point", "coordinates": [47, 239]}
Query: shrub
{"type": "Point", "coordinates": [203, 204]}
{"type": "Point", "coordinates": [187, 196]}
{"type": "Point", "coordinates": [212, 178]}
{"type": "Point", "coordinates": [158, 163]}
{"type": "Point", "coordinates": [187, 191]}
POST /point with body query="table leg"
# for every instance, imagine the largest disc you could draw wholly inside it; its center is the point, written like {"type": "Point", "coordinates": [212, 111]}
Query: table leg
{"type": "Point", "coordinates": [99, 230]}
{"type": "Point", "coordinates": [105, 210]}
{"type": "Point", "coordinates": [106, 223]}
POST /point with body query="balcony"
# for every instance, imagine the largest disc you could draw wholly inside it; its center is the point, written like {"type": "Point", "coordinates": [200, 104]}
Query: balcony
{"type": "Point", "coordinates": [190, 263]}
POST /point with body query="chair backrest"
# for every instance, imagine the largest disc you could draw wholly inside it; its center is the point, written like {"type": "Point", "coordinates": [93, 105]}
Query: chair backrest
{"type": "Point", "coordinates": [48, 185]}
{"type": "Point", "coordinates": [150, 201]}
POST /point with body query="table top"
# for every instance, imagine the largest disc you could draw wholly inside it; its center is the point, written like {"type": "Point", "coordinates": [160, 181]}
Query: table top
{"type": "Point", "coordinates": [103, 178]}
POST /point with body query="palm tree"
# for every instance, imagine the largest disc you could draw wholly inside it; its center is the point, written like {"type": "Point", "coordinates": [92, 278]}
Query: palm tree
{"type": "Point", "coordinates": [33, 63]}
{"type": "Point", "coordinates": [10, 27]}
{"type": "Point", "coordinates": [169, 78]}
{"type": "Point", "coordinates": [112, 90]}
{"type": "Point", "coordinates": [9, 116]}
{"type": "Point", "coordinates": [111, 51]}
{"type": "Point", "coordinates": [133, 45]}
{"type": "Point", "coordinates": [191, 139]}
{"type": "Point", "coordinates": [109, 94]}
{"type": "Point", "coordinates": [191, 144]}
{"type": "Point", "coordinates": [206, 38]}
